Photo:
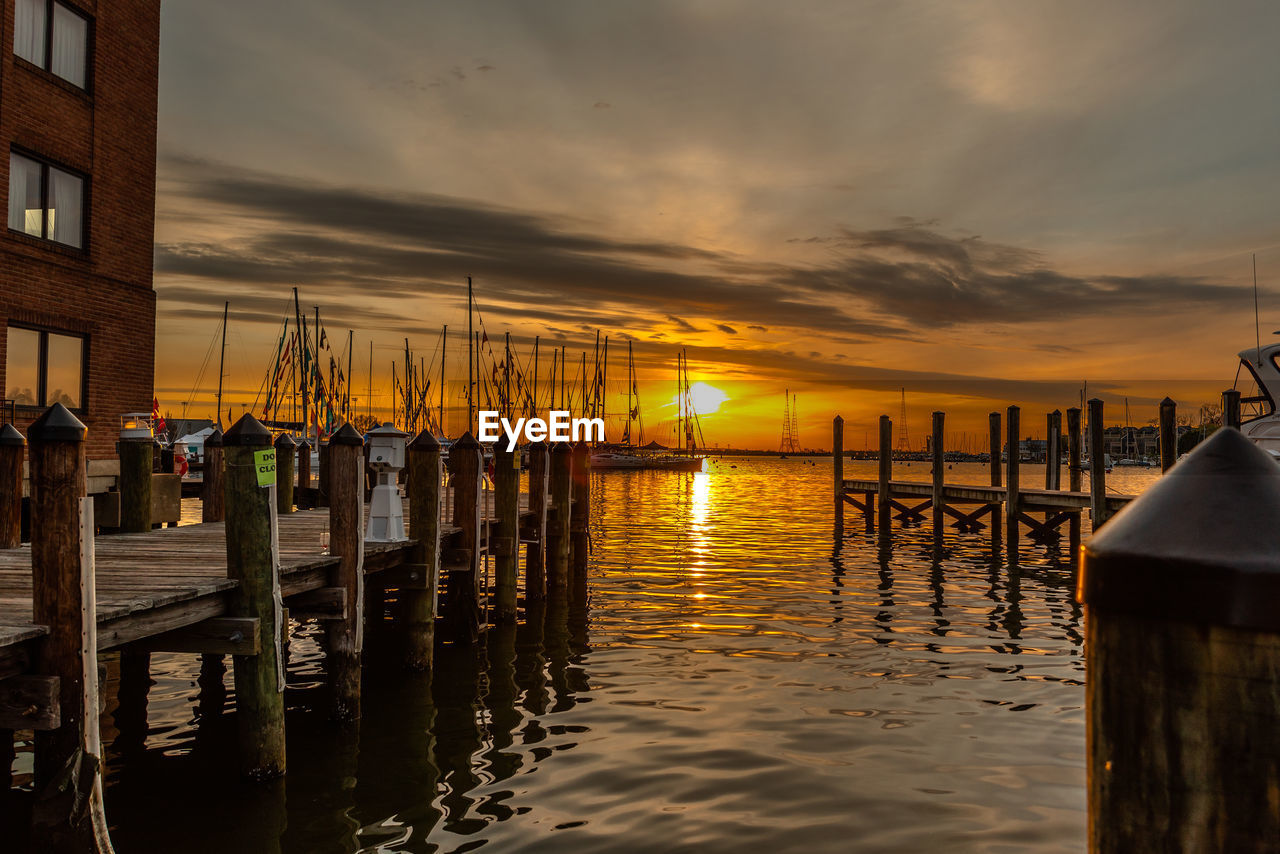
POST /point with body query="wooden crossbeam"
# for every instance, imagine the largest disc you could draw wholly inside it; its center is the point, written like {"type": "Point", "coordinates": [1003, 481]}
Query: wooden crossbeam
{"type": "Point", "coordinates": [223, 635]}
{"type": "Point", "coordinates": [969, 521]}
{"type": "Point", "coordinates": [906, 512]}
{"type": "Point", "coordinates": [30, 702]}
{"type": "Point", "coordinates": [326, 603]}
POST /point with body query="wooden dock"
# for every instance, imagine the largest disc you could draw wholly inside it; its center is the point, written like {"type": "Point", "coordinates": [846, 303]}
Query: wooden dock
{"type": "Point", "coordinates": [229, 585]}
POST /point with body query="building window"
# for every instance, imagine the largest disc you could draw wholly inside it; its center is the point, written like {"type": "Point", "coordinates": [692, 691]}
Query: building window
{"type": "Point", "coordinates": [45, 201]}
{"type": "Point", "coordinates": [43, 368]}
{"type": "Point", "coordinates": [53, 36]}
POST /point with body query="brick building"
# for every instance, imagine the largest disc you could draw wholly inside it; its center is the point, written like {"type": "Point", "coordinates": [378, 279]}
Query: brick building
{"type": "Point", "coordinates": [78, 88]}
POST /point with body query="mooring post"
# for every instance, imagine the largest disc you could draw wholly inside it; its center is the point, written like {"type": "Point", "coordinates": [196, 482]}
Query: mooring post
{"type": "Point", "coordinates": [837, 469]}
{"type": "Point", "coordinates": [1184, 659]}
{"type": "Point", "coordinates": [424, 487]}
{"type": "Point", "coordinates": [1053, 450]}
{"type": "Point", "coordinates": [285, 454]}
{"type": "Point", "coordinates": [1097, 466]}
{"type": "Point", "coordinates": [212, 488]}
{"type": "Point", "coordinates": [12, 447]}
{"type": "Point", "coordinates": [580, 515]}
{"type": "Point", "coordinates": [1231, 408]}
{"type": "Point", "coordinates": [1073, 472]}
{"type": "Point", "coordinates": [997, 479]}
{"type": "Point", "coordinates": [535, 581]}
{"type": "Point", "coordinates": [466, 458]}
{"type": "Point", "coordinates": [886, 468]}
{"type": "Point", "coordinates": [558, 523]}
{"type": "Point", "coordinates": [1168, 434]}
{"type": "Point", "coordinates": [938, 450]}
{"type": "Point", "coordinates": [65, 773]}
{"type": "Point", "coordinates": [253, 560]}
{"type": "Point", "coordinates": [322, 478]}
{"type": "Point", "coordinates": [136, 454]}
{"type": "Point", "coordinates": [506, 531]}
{"type": "Point", "coordinates": [1013, 497]}
{"type": "Point", "coordinates": [346, 540]}
{"type": "Point", "coordinates": [304, 475]}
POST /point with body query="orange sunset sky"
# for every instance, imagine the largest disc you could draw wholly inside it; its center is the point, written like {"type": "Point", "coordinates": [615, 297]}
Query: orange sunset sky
{"type": "Point", "coordinates": [983, 203]}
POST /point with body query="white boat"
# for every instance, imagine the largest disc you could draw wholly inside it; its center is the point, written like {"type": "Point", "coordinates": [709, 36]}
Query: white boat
{"type": "Point", "coordinates": [1258, 381]}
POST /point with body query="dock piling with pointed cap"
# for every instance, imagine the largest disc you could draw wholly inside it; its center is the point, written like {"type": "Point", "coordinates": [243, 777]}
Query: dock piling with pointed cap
{"type": "Point", "coordinates": [561, 478]}
{"type": "Point", "coordinates": [506, 531]}
{"type": "Point", "coordinates": [1013, 496]}
{"type": "Point", "coordinates": [346, 541]}
{"type": "Point", "coordinates": [1053, 451]}
{"type": "Point", "coordinates": [535, 581]}
{"type": "Point", "coordinates": [1097, 466]}
{"type": "Point", "coordinates": [304, 475]}
{"type": "Point", "coordinates": [253, 560]}
{"type": "Point", "coordinates": [212, 488]}
{"type": "Point", "coordinates": [939, 467]}
{"type": "Point", "coordinates": [1231, 408]}
{"type": "Point", "coordinates": [886, 468]}
{"type": "Point", "coordinates": [64, 770]}
{"type": "Point", "coordinates": [462, 616]}
{"type": "Point", "coordinates": [580, 514]}
{"type": "Point", "coordinates": [136, 458]}
{"type": "Point", "coordinates": [12, 448]}
{"type": "Point", "coordinates": [285, 454]}
{"type": "Point", "coordinates": [993, 421]}
{"type": "Point", "coordinates": [322, 477]}
{"type": "Point", "coordinates": [1074, 473]}
{"type": "Point", "coordinates": [837, 469]}
{"type": "Point", "coordinates": [425, 491]}
{"type": "Point", "coordinates": [1184, 658]}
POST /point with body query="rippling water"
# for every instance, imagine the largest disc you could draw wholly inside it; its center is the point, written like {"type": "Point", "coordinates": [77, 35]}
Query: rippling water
{"type": "Point", "coordinates": [738, 679]}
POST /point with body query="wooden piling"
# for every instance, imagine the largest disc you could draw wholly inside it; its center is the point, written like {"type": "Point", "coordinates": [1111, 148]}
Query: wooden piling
{"type": "Point", "coordinates": [1231, 408]}
{"type": "Point", "coordinates": [837, 468]}
{"type": "Point", "coordinates": [939, 467]}
{"type": "Point", "coordinates": [424, 488]}
{"type": "Point", "coordinates": [212, 488]}
{"type": "Point", "coordinates": [466, 459]}
{"type": "Point", "coordinates": [304, 474]}
{"type": "Point", "coordinates": [1053, 451]}
{"type": "Point", "coordinates": [997, 479]}
{"type": "Point", "coordinates": [886, 468]}
{"type": "Point", "coordinates": [580, 514]}
{"type": "Point", "coordinates": [12, 448]}
{"type": "Point", "coordinates": [253, 560]}
{"type": "Point", "coordinates": [1168, 434]}
{"type": "Point", "coordinates": [286, 453]}
{"type": "Point", "coordinates": [561, 478]}
{"type": "Point", "coordinates": [135, 484]}
{"type": "Point", "coordinates": [322, 476]}
{"type": "Point", "coordinates": [65, 772]}
{"type": "Point", "coordinates": [346, 540]}
{"type": "Point", "coordinates": [1097, 466]}
{"type": "Point", "coordinates": [535, 581]}
{"type": "Point", "coordinates": [506, 531]}
{"type": "Point", "coordinates": [1013, 498]}
{"type": "Point", "coordinates": [1073, 472]}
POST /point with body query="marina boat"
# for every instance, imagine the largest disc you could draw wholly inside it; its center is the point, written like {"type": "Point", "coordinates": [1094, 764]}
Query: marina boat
{"type": "Point", "coordinates": [1258, 381]}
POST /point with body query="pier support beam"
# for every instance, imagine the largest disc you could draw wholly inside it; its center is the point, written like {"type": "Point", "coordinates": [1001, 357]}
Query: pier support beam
{"type": "Point", "coordinates": [304, 475]}
{"type": "Point", "coordinates": [1097, 466]}
{"type": "Point", "coordinates": [1183, 654]}
{"type": "Point", "coordinates": [1231, 408]}
{"type": "Point", "coordinates": [506, 531]}
{"type": "Point", "coordinates": [67, 759]}
{"type": "Point", "coordinates": [558, 522]}
{"type": "Point", "coordinates": [1053, 451]}
{"type": "Point", "coordinates": [322, 477]}
{"type": "Point", "coordinates": [535, 581]}
{"type": "Point", "coordinates": [466, 459]}
{"type": "Point", "coordinates": [135, 484]}
{"type": "Point", "coordinates": [939, 469]}
{"type": "Point", "coordinates": [886, 468]}
{"type": "Point", "coordinates": [580, 514]}
{"type": "Point", "coordinates": [346, 540]}
{"type": "Point", "coordinates": [837, 470]}
{"type": "Point", "coordinates": [253, 560]}
{"type": "Point", "coordinates": [1168, 434]}
{"type": "Point", "coordinates": [1073, 472]}
{"type": "Point", "coordinates": [12, 446]}
{"type": "Point", "coordinates": [286, 453]}
{"type": "Point", "coordinates": [1013, 498]}
{"type": "Point", "coordinates": [212, 489]}
{"type": "Point", "coordinates": [424, 526]}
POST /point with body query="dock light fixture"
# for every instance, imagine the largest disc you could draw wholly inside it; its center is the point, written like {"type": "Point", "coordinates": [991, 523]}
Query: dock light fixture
{"type": "Point", "coordinates": [136, 425]}
{"type": "Point", "coordinates": [387, 458]}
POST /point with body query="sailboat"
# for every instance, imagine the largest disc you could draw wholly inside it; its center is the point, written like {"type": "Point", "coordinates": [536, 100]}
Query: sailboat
{"type": "Point", "coordinates": [650, 457]}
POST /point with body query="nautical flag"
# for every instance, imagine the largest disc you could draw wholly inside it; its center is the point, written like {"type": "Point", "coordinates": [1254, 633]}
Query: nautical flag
{"type": "Point", "coordinates": [484, 337]}
{"type": "Point", "coordinates": [324, 339]}
{"type": "Point", "coordinates": [157, 420]}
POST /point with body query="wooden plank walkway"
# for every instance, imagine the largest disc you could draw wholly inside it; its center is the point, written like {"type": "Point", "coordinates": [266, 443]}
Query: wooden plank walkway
{"type": "Point", "coordinates": [168, 578]}
{"type": "Point", "coordinates": [1030, 499]}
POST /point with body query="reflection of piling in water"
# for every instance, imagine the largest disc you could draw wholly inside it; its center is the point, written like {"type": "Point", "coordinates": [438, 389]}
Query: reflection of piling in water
{"type": "Point", "coordinates": [458, 738]}
{"type": "Point", "coordinates": [1183, 657]}
{"type": "Point", "coordinates": [130, 715]}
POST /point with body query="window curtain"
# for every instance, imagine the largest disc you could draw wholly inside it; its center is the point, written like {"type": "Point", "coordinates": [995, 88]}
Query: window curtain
{"type": "Point", "coordinates": [25, 212]}
{"type": "Point", "coordinates": [66, 195]}
{"type": "Point", "coordinates": [70, 44]}
{"type": "Point", "coordinates": [29, 30]}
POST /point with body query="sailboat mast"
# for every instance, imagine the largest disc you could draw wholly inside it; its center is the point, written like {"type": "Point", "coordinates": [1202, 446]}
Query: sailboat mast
{"type": "Point", "coordinates": [471, 374]}
{"type": "Point", "coordinates": [408, 383]}
{"type": "Point", "coordinates": [506, 377]}
{"type": "Point", "coordinates": [534, 413]}
{"type": "Point", "coordinates": [318, 378]}
{"type": "Point", "coordinates": [346, 384]}
{"type": "Point", "coordinates": [369, 401]}
{"type": "Point", "coordinates": [444, 348]}
{"type": "Point", "coordinates": [563, 373]}
{"type": "Point", "coordinates": [222, 359]}
{"type": "Point", "coordinates": [604, 379]}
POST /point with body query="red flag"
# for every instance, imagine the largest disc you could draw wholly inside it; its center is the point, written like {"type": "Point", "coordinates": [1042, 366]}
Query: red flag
{"type": "Point", "coordinates": [157, 420]}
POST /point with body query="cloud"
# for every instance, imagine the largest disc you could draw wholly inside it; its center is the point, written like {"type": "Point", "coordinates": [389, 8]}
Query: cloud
{"type": "Point", "coordinates": [726, 328]}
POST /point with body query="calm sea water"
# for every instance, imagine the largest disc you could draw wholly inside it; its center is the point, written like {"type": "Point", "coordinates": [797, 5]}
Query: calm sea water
{"type": "Point", "coordinates": [739, 678]}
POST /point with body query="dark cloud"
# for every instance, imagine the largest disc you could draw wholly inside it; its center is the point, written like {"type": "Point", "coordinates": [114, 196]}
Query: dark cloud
{"type": "Point", "coordinates": [758, 328]}
{"type": "Point", "coordinates": [682, 323]}
{"type": "Point", "coordinates": [726, 328]}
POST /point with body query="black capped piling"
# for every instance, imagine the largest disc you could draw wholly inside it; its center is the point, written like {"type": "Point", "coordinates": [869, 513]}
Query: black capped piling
{"type": "Point", "coordinates": [561, 478]}
{"type": "Point", "coordinates": [12, 449]}
{"type": "Point", "coordinates": [212, 488]}
{"type": "Point", "coordinates": [346, 541]}
{"type": "Point", "coordinates": [286, 453]}
{"type": "Point", "coordinates": [535, 582]}
{"type": "Point", "coordinates": [505, 532]}
{"type": "Point", "coordinates": [419, 594]}
{"type": "Point", "coordinates": [466, 461]}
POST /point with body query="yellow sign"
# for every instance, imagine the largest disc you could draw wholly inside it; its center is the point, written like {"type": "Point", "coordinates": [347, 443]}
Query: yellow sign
{"type": "Point", "coordinates": [265, 463]}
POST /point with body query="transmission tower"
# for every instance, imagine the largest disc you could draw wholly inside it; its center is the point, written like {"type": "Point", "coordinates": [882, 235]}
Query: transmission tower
{"type": "Point", "coordinates": [795, 429]}
{"type": "Point", "coordinates": [904, 438]}
{"type": "Point", "coordinates": [789, 443]}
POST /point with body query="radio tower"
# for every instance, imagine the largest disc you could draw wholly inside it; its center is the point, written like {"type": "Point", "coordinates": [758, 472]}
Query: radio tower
{"type": "Point", "coordinates": [904, 439]}
{"type": "Point", "coordinates": [789, 443]}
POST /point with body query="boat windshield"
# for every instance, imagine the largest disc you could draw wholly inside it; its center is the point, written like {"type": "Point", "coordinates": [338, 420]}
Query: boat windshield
{"type": "Point", "coordinates": [1255, 401]}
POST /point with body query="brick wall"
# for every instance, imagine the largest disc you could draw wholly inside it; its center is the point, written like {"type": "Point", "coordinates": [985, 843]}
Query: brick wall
{"type": "Point", "coordinates": [108, 133]}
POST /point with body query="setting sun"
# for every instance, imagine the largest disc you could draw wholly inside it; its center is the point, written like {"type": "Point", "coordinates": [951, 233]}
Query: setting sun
{"type": "Point", "coordinates": [706, 398]}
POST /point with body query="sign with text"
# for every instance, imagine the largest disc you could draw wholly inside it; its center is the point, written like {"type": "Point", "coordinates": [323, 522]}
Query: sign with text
{"type": "Point", "coordinates": [265, 463]}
